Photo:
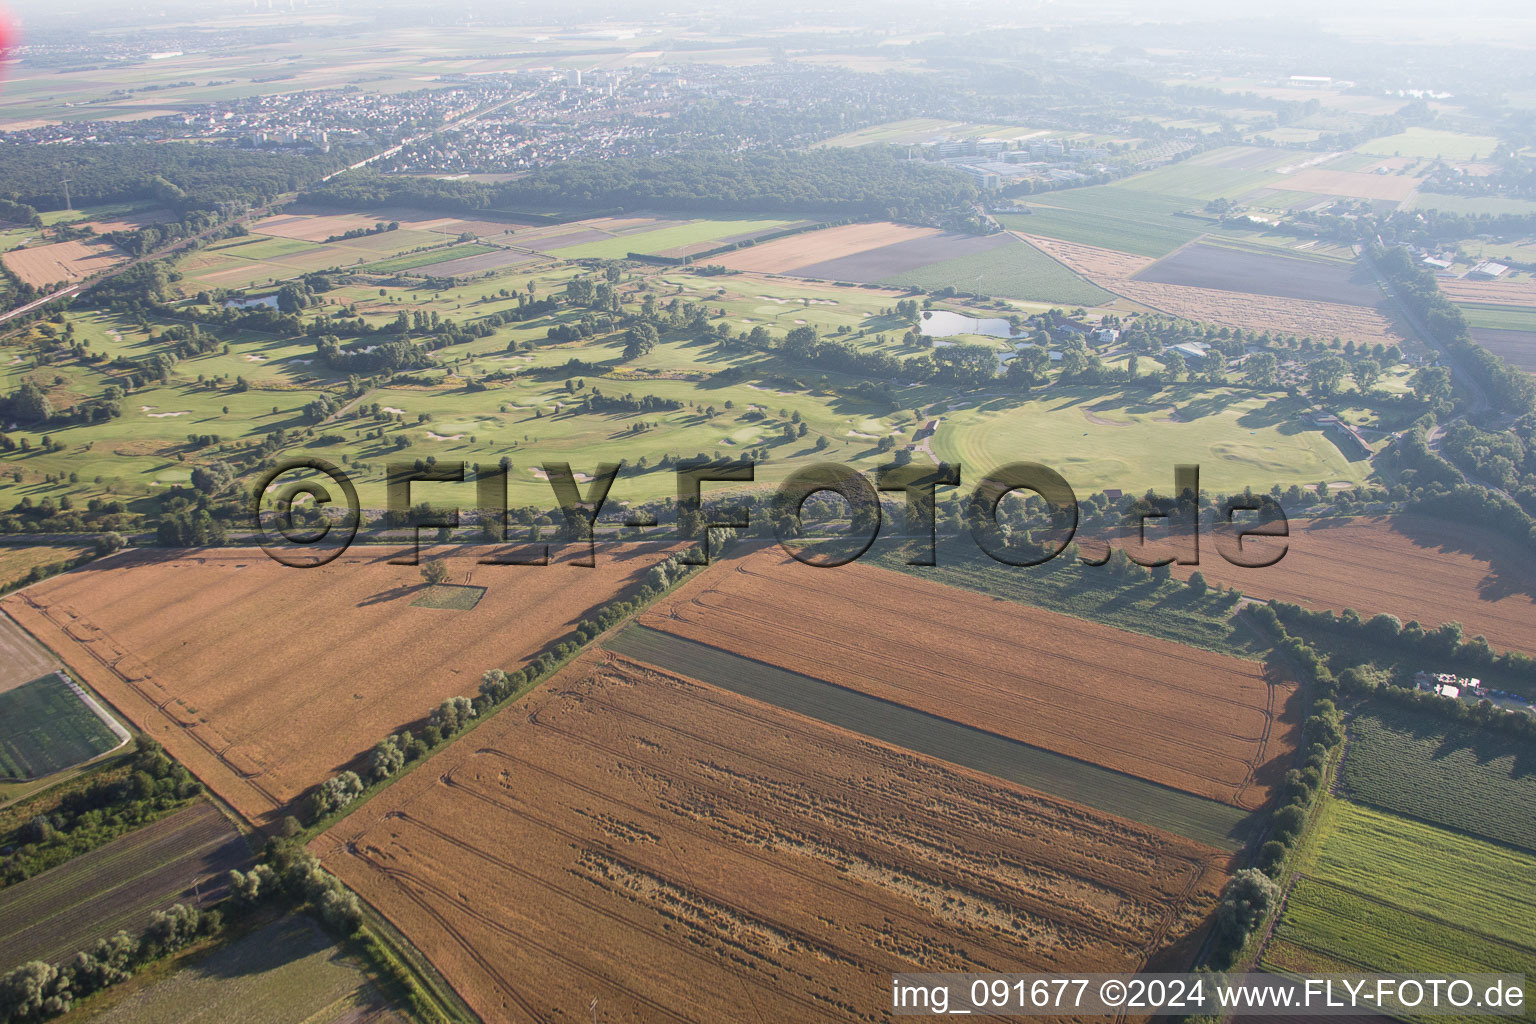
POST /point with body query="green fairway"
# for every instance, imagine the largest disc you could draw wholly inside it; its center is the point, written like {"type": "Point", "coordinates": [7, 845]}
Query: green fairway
{"type": "Point", "coordinates": [45, 728]}
{"type": "Point", "coordinates": [1411, 762]}
{"type": "Point", "coordinates": [1015, 270]}
{"type": "Point", "coordinates": [1113, 217]}
{"type": "Point", "coordinates": [1128, 440]}
{"type": "Point", "coordinates": [674, 237]}
{"type": "Point", "coordinates": [1203, 820]}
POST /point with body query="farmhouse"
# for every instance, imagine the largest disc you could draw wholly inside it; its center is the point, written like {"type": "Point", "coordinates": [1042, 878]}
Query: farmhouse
{"type": "Point", "coordinates": [1488, 271]}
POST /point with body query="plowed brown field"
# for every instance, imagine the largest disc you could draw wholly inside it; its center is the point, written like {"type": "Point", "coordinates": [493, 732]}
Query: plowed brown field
{"type": "Point", "coordinates": [264, 679]}
{"type": "Point", "coordinates": [1197, 721]}
{"type": "Point", "coordinates": [1411, 567]}
{"type": "Point", "coordinates": [681, 853]}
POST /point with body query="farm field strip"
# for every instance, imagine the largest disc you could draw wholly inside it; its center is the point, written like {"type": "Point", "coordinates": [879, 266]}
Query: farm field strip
{"type": "Point", "coordinates": [170, 641]}
{"type": "Point", "coordinates": [1268, 273]}
{"type": "Point", "coordinates": [1379, 564]}
{"type": "Point", "coordinates": [287, 971]}
{"type": "Point", "coordinates": [1379, 893]}
{"type": "Point", "coordinates": [1352, 184]}
{"type": "Point", "coordinates": [1459, 880]}
{"type": "Point", "coordinates": [61, 261]}
{"type": "Point", "coordinates": [52, 915]}
{"type": "Point", "coordinates": [1202, 820]}
{"type": "Point", "coordinates": [1011, 269]}
{"type": "Point", "coordinates": [1113, 217]}
{"type": "Point", "coordinates": [684, 854]}
{"type": "Point", "coordinates": [1044, 679]}
{"type": "Point", "coordinates": [1463, 779]}
{"type": "Point", "coordinates": [1494, 293]}
{"type": "Point", "coordinates": [784, 255]}
{"type": "Point", "coordinates": [1518, 348]}
{"type": "Point", "coordinates": [46, 727]}
{"type": "Point", "coordinates": [22, 659]}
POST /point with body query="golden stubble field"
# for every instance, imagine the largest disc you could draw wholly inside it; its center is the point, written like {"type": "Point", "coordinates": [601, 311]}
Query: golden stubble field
{"type": "Point", "coordinates": [61, 262]}
{"type": "Point", "coordinates": [265, 680]}
{"type": "Point", "coordinates": [682, 853]}
{"type": "Point", "coordinates": [1194, 720]}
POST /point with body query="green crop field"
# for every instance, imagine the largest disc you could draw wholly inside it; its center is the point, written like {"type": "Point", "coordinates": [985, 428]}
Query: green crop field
{"type": "Point", "coordinates": [1113, 217]}
{"type": "Point", "coordinates": [675, 237]}
{"type": "Point", "coordinates": [1195, 817]}
{"type": "Point", "coordinates": [1015, 270]}
{"type": "Point", "coordinates": [1500, 318]}
{"type": "Point", "coordinates": [287, 971]}
{"type": "Point", "coordinates": [1356, 932]}
{"type": "Point", "coordinates": [1471, 205]}
{"type": "Point", "coordinates": [1380, 893]}
{"type": "Point", "coordinates": [423, 259]}
{"type": "Point", "coordinates": [1129, 441]}
{"type": "Point", "coordinates": [45, 728]}
{"type": "Point", "coordinates": [1408, 761]}
{"type": "Point", "coordinates": [1219, 173]}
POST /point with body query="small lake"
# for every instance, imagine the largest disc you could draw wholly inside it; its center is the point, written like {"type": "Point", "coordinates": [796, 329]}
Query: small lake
{"type": "Point", "coordinates": [941, 323]}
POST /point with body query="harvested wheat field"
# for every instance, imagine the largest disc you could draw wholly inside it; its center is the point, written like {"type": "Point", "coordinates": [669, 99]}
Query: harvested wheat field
{"type": "Point", "coordinates": [61, 262]}
{"type": "Point", "coordinates": [1416, 568]}
{"type": "Point", "coordinates": [785, 254]}
{"type": "Point", "coordinates": [1265, 312]}
{"type": "Point", "coordinates": [1502, 292]}
{"type": "Point", "coordinates": [265, 680]}
{"type": "Point", "coordinates": [685, 854]}
{"type": "Point", "coordinates": [1197, 721]}
{"type": "Point", "coordinates": [1354, 184]}
{"type": "Point", "coordinates": [1115, 271]}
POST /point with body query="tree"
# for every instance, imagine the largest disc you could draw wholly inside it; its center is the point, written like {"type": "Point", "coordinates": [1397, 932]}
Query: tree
{"type": "Point", "coordinates": [639, 340]}
{"type": "Point", "coordinates": [29, 403]}
{"type": "Point", "coordinates": [336, 792]}
{"type": "Point", "coordinates": [212, 479]}
{"type": "Point", "coordinates": [387, 758]}
{"type": "Point", "coordinates": [1326, 374]}
{"type": "Point", "coordinates": [1431, 384]}
{"type": "Point", "coordinates": [1245, 901]}
{"type": "Point", "coordinates": [435, 571]}
{"type": "Point", "coordinates": [453, 714]}
{"type": "Point", "coordinates": [34, 989]}
{"type": "Point", "coordinates": [1365, 372]}
{"type": "Point", "coordinates": [1173, 363]}
{"type": "Point", "coordinates": [1261, 370]}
